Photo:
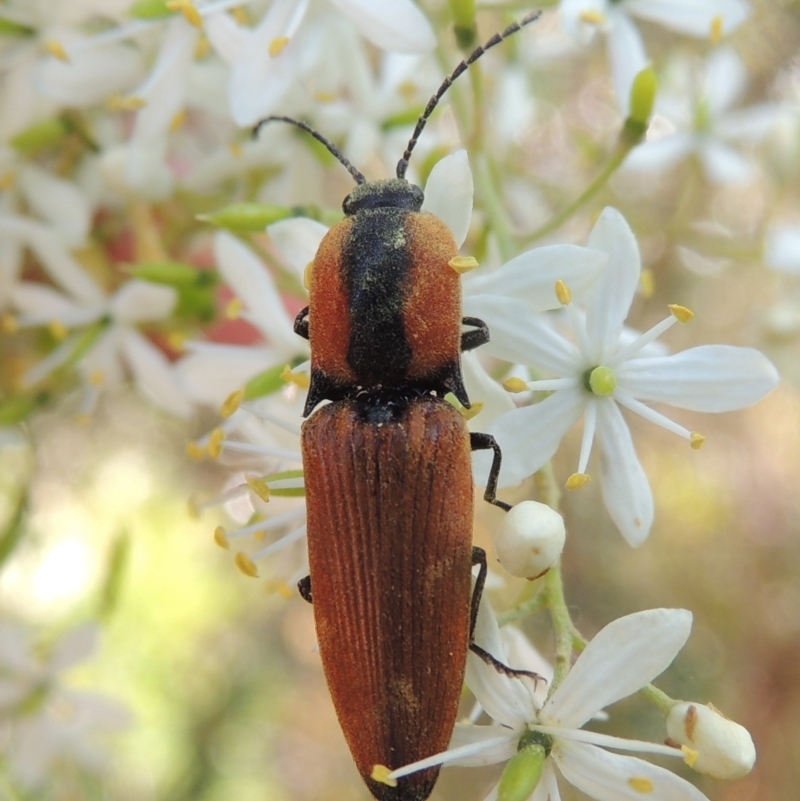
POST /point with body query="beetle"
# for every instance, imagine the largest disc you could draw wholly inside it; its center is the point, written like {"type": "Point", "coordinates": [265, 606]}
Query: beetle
{"type": "Point", "coordinates": [387, 466]}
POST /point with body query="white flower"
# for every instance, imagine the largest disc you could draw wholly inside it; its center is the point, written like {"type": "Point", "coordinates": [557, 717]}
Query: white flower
{"type": "Point", "coordinates": [706, 122]}
{"type": "Point", "coordinates": [45, 724]}
{"type": "Point", "coordinates": [782, 250]}
{"type": "Point", "coordinates": [710, 18]}
{"type": "Point", "coordinates": [624, 657]}
{"type": "Point", "coordinates": [603, 370]}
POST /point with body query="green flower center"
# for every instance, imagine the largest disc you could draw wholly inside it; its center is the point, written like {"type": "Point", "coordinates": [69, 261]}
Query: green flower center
{"type": "Point", "coordinates": [600, 381]}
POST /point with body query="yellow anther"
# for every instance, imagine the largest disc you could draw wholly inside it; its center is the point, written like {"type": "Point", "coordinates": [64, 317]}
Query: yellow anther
{"type": "Point", "coordinates": [177, 341]}
{"type": "Point", "coordinates": [515, 384]}
{"type": "Point", "coordinates": [647, 284]}
{"type": "Point", "coordinates": [9, 323]}
{"type": "Point", "coordinates": [195, 451]}
{"type": "Point", "coordinates": [407, 90]}
{"type": "Point", "coordinates": [592, 17]}
{"type": "Point", "coordinates": [221, 538]}
{"type": "Point", "coordinates": [278, 45]}
{"type": "Point", "coordinates": [97, 378]}
{"type": "Point", "coordinates": [56, 49]}
{"type": "Point", "coordinates": [696, 440]}
{"type": "Point", "coordinates": [690, 756]}
{"type": "Point", "coordinates": [215, 440]}
{"type": "Point", "coordinates": [641, 784]}
{"type": "Point", "coordinates": [298, 379]}
{"type": "Point", "coordinates": [234, 309]}
{"type": "Point", "coordinates": [260, 536]}
{"type": "Point", "coordinates": [382, 774]}
{"type": "Point", "coordinates": [178, 121]}
{"type": "Point", "coordinates": [563, 293]}
{"type": "Point", "coordinates": [577, 480]}
{"type": "Point", "coordinates": [680, 313]}
{"type": "Point", "coordinates": [463, 264]}
{"type": "Point", "coordinates": [473, 410]}
{"type": "Point", "coordinates": [125, 103]}
{"type": "Point", "coordinates": [245, 564]}
{"type": "Point", "coordinates": [57, 329]}
{"type": "Point", "coordinates": [325, 97]}
{"type": "Point", "coordinates": [307, 272]}
{"type": "Point", "coordinates": [240, 14]}
{"type": "Point", "coordinates": [717, 27]}
{"type": "Point", "coordinates": [191, 509]}
{"type": "Point", "coordinates": [8, 180]}
{"type": "Point", "coordinates": [187, 8]}
{"type": "Point", "coordinates": [237, 151]}
{"type": "Point", "coordinates": [232, 402]}
{"type": "Point", "coordinates": [281, 588]}
{"type": "Point", "coordinates": [202, 48]}
{"type": "Point", "coordinates": [259, 486]}
{"type": "Point", "coordinates": [83, 419]}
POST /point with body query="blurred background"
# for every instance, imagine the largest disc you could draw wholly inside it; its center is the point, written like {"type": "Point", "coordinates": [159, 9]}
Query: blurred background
{"type": "Point", "coordinates": [171, 676]}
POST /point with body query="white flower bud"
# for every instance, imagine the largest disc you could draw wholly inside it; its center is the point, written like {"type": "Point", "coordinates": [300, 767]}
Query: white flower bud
{"type": "Point", "coordinates": [716, 746]}
{"type": "Point", "coordinates": [530, 540]}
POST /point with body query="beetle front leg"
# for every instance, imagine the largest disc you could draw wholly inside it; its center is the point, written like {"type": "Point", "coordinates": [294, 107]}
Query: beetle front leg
{"type": "Point", "coordinates": [485, 442]}
{"type": "Point", "coordinates": [474, 339]}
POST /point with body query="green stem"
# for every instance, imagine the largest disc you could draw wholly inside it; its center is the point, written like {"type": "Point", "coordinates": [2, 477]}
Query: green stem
{"type": "Point", "coordinates": [658, 698]}
{"type": "Point", "coordinates": [562, 625]}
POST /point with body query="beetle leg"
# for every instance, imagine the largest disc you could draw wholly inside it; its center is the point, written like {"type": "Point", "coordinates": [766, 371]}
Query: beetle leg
{"type": "Point", "coordinates": [485, 442]}
{"type": "Point", "coordinates": [301, 323]}
{"type": "Point", "coordinates": [474, 339]}
{"type": "Point", "coordinates": [479, 558]}
{"type": "Point", "coordinates": [304, 586]}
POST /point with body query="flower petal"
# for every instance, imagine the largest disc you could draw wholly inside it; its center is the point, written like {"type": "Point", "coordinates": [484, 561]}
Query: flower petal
{"type": "Point", "coordinates": [531, 277]}
{"type": "Point", "coordinates": [626, 491]}
{"type": "Point", "coordinates": [483, 389]}
{"type": "Point", "coordinates": [298, 240]}
{"type": "Point", "coordinates": [724, 165]}
{"type": "Point", "coordinates": [529, 437]}
{"type": "Point", "coordinates": [398, 26]}
{"type": "Point", "coordinates": [618, 777]}
{"type": "Point", "coordinates": [783, 249]}
{"type": "Point", "coordinates": [627, 53]}
{"type": "Point", "coordinates": [448, 193]}
{"type": "Point", "coordinates": [709, 378]}
{"type": "Point", "coordinates": [142, 302]}
{"type": "Point", "coordinates": [660, 153]}
{"type": "Point", "coordinates": [251, 281]}
{"type": "Point", "coordinates": [725, 80]}
{"type": "Point", "coordinates": [40, 304]}
{"type": "Point", "coordinates": [490, 745]}
{"type": "Point", "coordinates": [608, 301]}
{"type": "Point", "coordinates": [75, 646]}
{"type": "Point", "coordinates": [691, 17]}
{"type": "Point", "coordinates": [622, 658]}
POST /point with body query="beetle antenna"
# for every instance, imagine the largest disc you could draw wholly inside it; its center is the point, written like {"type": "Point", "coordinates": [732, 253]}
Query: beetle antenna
{"type": "Point", "coordinates": [402, 165]}
{"type": "Point", "coordinates": [332, 149]}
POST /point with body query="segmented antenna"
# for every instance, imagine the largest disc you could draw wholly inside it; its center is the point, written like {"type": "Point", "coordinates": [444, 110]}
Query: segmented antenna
{"type": "Point", "coordinates": [304, 126]}
{"type": "Point", "coordinates": [402, 165]}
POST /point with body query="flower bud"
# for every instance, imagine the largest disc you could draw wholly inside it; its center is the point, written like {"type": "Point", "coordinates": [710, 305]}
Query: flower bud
{"type": "Point", "coordinates": [721, 748]}
{"type": "Point", "coordinates": [247, 217]}
{"type": "Point", "coordinates": [530, 540]}
{"type": "Point", "coordinates": [642, 98]}
{"type": "Point", "coordinates": [522, 774]}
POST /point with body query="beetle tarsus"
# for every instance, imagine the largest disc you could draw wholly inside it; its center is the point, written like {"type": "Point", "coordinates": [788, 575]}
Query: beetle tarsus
{"type": "Point", "coordinates": [304, 587]}
{"type": "Point", "coordinates": [485, 442]}
{"type": "Point", "coordinates": [500, 667]}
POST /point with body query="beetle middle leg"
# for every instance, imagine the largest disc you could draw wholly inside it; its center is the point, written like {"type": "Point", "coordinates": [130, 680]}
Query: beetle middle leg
{"type": "Point", "coordinates": [474, 339]}
{"type": "Point", "coordinates": [485, 442]}
{"type": "Point", "coordinates": [479, 558]}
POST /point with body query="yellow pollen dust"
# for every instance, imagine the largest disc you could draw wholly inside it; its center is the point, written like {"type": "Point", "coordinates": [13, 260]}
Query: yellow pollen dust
{"type": "Point", "coordinates": [696, 440]}
{"type": "Point", "coordinates": [187, 8]}
{"type": "Point", "coordinates": [473, 411]}
{"type": "Point", "coordinates": [125, 103]}
{"type": "Point", "coordinates": [9, 323]}
{"type": "Point", "coordinates": [57, 329]}
{"type": "Point", "coordinates": [178, 121]}
{"type": "Point", "coordinates": [83, 419]}
{"type": "Point", "coordinates": [278, 45]}
{"type": "Point", "coordinates": [592, 17]}
{"type": "Point", "coordinates": [407, 90]}
{"type": "Point", "coordinates": [515, 384]}
{"type": "Point", "coordinates": [260, 536]}
{"type": "Point", "coordinates": [382, 774]}
{"type": "Point", "coordinates": [240, 14]}
{"type": "Point", "coordinates": [641, 784]}
{"type": "Point", "coordinates": [245, 564]}
{"type": "Point", "coordinates": [280, 588]}
{"type": "Point", "coordinates": [647, 284]}
{"type": "Point", "coordinates": [56, 49]}
{"type": "Point", "coordinates": [324, 97]}
{"type": "Point", "coordinates": [259, 486]}
{"type": "Point", "coordinates": [577, 480]}
{"type": "Point", "coordinates": [215, 440]}
{"type": "Point", "coordinates": [234, 309]}
{"type": "Point", "coordinates": [690, 756]}
{"type": "Point", "coordinates": [298, 379]}
{"type": "Point", "coordinates": [563, 293]}
{"type": "Point", "coordinates": [717, 27]}
{"type": "Point", "coordinates": [8, 180]}
{"type": "Point", "coordinates": [221, 538]}
{"type": "Point", "coordinates": [463, 264]}
{"type": "Point", "coordinates": [232, 403]}
{"type": "Point", "coordinates": [307, 273]}
{"type": "Point", "coordinates": [680, 313]}
{"type": "Point", "coordinates": [195, 451]}
{"type": "Point", "coordinates": [97, 378]}
{"type": "Point", "coordinates": [177, 341]}
{"type": "Point", "coordinates": [237, 151]}
{"type": "Point", "coordinates": [202, 48]}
